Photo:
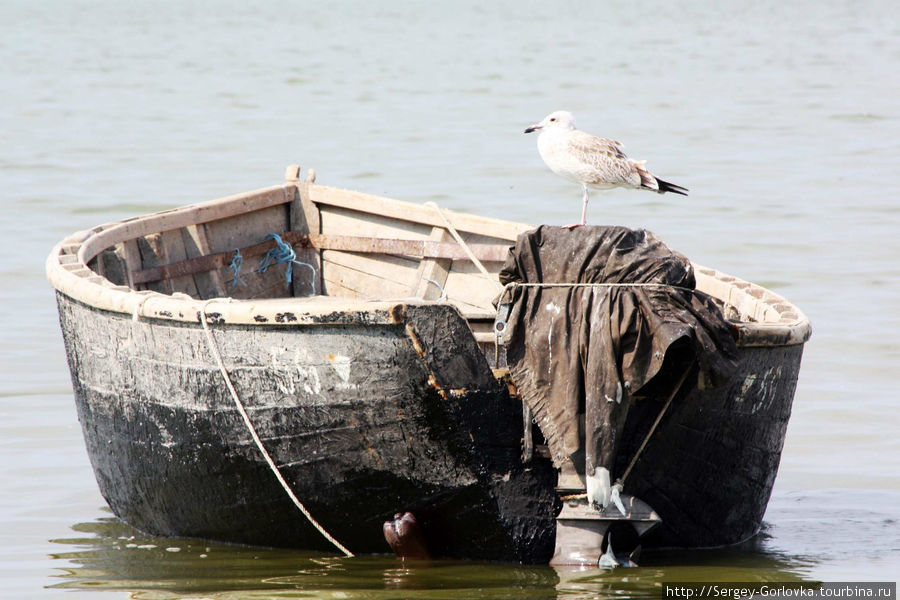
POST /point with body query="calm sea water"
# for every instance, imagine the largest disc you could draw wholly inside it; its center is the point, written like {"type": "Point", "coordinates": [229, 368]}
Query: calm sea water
{"type": "Point", "coordinates": [782, 119]}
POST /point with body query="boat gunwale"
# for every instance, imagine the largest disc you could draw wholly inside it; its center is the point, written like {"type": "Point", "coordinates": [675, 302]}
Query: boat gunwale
{"type": "Point", "coordinates": [774, 320]}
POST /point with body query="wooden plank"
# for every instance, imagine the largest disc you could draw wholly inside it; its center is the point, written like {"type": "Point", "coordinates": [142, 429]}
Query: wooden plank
{"type": "Point", "coordinates": [467, 285]}
{"type": "Point", "coordinates": [339, 221]}
{"type": "Point", "coordinates": [417, 248]}
{"type": "Point", "coordinates": [111, 265]}
{"type": "Point", "coordinates": [230, 206]}
{"type": "Point", "coordinates": [471, 311]}
{"type": "Point", "coordinates": [395, 269]}
{"type": "Point", "coordinates": [304, 218]}
{"type": "Point", "coordinates": [209, 283]}
{"type": "Point", "coordinates": [132, 256]}
{"type": "Point", "coordinates": [406, 247]}
{"type": "Point", "coordinates": [175, 251]}
{"type": "Point", "coordinates": [415, 213]}
{"type": "Point", "coordinates": [246, 232]}
{"type": "Point", "coordinates": [241, 231]}
{"type": "Point", "coordinates": [153, 254]}
{"type": "Point", "coordinates": [337, 290]}
{"type": "Point", "coordinates": [366, 285]}
{"type": "Point", "coordinates": [432, 271]}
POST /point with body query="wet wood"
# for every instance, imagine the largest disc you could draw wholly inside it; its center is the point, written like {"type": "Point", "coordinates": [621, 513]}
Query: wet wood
{"type": "Point", "coordinates": [359, 244]}
{"type": "Point", "coordinates": [305, 219]}
{"type": "Point", "coordinates": [209, 283]}
{"type": "Point", "coordinates": [397, 401]}
{"type": "Point", "coordinates": [356, 441]}
{"type": "Point", "coordinates": [174, 250]}
{"type": "Point", "coordinates": [431, 274]}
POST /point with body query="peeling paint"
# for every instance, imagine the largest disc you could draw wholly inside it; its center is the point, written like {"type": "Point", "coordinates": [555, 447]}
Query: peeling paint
{"type": "Point", "coordinates": [309, 379]}
{"type": "Point", "coordinates": [760, 390]}
{"type": "Point", "coordinates": [341, 365]}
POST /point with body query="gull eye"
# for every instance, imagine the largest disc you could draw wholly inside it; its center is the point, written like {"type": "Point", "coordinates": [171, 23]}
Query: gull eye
{"type": "Point", "coordinates": [553, 119]}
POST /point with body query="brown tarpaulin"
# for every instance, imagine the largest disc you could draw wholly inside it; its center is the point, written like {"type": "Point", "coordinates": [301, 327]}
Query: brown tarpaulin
{"type": "Point", "coordinates": [578, 354]}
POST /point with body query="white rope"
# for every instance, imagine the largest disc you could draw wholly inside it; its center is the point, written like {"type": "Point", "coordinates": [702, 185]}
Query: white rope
{"type": "Point", "coordinates": [500, 330]}
{"type": "Point", "coordinates": [138, 311]}
{"type": "Point", "coordinates": [514, 284]}
{"type": "Point", "coordinates": [462, 243]}
{"type": "Point", "coordinates": [237, 401]}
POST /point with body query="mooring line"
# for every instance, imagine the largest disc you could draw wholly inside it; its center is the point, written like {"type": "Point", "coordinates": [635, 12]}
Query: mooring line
{"type": "Point", "coordinates": [459, 240]}
{"type": "Point", "coordinates": [240, 406]}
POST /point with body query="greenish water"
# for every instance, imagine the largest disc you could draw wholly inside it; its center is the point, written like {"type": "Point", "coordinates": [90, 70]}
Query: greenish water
{"type": "Point", "coordinates": [810, 536]}
{"type": "Point", "coordinates": [781, 118]}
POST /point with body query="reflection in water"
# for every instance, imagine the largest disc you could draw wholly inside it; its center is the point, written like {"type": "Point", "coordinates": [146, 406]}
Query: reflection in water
{"type": "Point", "coordinates": [111, 556]}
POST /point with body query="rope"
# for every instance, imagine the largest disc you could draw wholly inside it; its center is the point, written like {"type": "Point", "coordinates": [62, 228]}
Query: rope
{"type": "Point", "coordinates": [514, 284]}
{"type": "Point", "coordinates": [284, 253]}
{"type": "Point", "coordinates": [138, 311]}
{"type": "Point", "coordinates": [500, 324]}
{"type": "Point", "coordinates": [621, 480]}
{"type": "Point", "coordinates": [462, 242]}
{"type": "Point", "coordinates": [240, 407]}
{"type": "Point", "coordinates": [236, 262]}
{"type": "Point", "coordinates": [438, 286]}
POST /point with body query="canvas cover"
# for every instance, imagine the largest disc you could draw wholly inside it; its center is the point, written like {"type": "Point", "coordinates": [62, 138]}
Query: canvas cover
{"type": "Point", "coordinates": [579, 354]}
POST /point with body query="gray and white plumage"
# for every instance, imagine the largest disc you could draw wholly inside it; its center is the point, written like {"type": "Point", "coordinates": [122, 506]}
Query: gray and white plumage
{"type": "Point", "coordinates": [592, 161]}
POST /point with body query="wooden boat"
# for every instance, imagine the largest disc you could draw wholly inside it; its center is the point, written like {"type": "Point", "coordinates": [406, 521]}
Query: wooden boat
{"type": "Point", "coordinates": [366, 380]}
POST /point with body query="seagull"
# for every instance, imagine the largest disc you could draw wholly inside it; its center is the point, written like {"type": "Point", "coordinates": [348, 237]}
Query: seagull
{"type": "Point", "coordinates": [591, 161]}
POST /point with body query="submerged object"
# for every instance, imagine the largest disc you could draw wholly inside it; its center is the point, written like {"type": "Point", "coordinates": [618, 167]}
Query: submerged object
{"type": "Point", "coordinates": [608, 559]}
{"type": "Point", "coordinates": [405, 538]}
{"type": "Point", "coordinates": [206, 386]}
{"type": "Point", "coordinates": [581, 530]}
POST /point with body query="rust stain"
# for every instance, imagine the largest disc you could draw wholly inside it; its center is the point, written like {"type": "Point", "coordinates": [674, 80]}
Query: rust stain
{"type": "Point", "coordinates": [398, 313]}
{"type": "Point", "coordinates": [503, 377]}
{"type": "Point", "coordinates": [416, 342]}
{"type": "Point", "coordinates": [433, 383]}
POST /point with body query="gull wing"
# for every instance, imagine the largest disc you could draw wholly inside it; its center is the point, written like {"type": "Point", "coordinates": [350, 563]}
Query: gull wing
{"type": "Point", "coordinates": [606, 162]}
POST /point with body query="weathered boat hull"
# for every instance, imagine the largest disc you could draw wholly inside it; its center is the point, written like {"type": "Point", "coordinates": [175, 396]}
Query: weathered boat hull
{"type": "Point", "coordinates": [371, 406]}
{"type": "Point", "coordinates": [709, 469]}
{"type": "Point", "coordinates": [365, 414]}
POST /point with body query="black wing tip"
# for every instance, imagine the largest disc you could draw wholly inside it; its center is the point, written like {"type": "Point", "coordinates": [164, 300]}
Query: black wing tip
{"type": "Point", "coordinates": [665, 186]}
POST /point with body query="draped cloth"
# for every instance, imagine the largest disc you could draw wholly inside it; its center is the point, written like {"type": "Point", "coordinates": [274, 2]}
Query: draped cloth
{"type": "Point", "coordinates": [579, 354]}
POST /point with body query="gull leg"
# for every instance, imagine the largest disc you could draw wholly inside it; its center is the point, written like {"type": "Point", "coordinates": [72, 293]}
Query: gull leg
{"type": "Point", "coordinates": [584, 205]}
{"type": "Point", "coordinates": [584, 200]}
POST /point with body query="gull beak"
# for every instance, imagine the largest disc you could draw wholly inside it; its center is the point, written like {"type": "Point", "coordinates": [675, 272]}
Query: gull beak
{"type": "Point", "coordinates": [534, 127]}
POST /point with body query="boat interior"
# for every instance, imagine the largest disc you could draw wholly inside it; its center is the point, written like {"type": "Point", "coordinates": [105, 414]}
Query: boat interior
{"type": "Point", "coordinates": [339, 245]}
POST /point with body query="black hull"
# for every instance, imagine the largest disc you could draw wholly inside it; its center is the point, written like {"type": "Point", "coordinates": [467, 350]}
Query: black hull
{"type": "Point", "coordinates": [419, 424]}
{"type": "Point", "coordinates": [363, 420]}
{"type": "Point", "coordinates": [709, 469]}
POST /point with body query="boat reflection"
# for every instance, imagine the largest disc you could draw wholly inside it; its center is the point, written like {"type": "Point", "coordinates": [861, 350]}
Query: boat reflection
{"type": "Point", "coordinates": [106, 554]}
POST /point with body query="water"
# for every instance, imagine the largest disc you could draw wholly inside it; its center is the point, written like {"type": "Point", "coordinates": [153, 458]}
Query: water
{"type": "Point", "coordinates": [782, 119]}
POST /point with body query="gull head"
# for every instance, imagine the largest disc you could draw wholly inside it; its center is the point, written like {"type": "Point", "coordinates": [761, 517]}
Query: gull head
{"type": "Point", "coordinates": [560, 119]}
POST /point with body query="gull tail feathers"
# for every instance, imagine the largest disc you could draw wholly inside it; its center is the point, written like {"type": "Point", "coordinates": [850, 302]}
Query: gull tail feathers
{"type": "Point", "coordinates": [665, 186]}
{"type": "Point", "coordinates": [651, 182]}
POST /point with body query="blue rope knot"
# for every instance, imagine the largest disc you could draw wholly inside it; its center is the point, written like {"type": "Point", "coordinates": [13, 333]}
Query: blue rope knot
{"type": "Point", "coordinates": [284, 253]}
{"type": "Point", "coordinates": [236, 262]}
{"type": "Point", "coordinates": [281, 253]}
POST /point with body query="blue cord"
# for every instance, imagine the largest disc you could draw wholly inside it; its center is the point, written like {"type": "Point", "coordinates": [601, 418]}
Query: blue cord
{"type": "Point", "coordinates": [281, 253]}
{"type": "Point", "coordinates": [235, 267]}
